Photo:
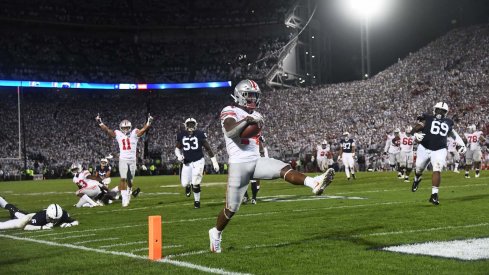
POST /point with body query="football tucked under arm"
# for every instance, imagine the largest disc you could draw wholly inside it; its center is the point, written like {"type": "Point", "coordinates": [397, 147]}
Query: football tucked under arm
{"type": "Point", "coordinates": [251, 130]}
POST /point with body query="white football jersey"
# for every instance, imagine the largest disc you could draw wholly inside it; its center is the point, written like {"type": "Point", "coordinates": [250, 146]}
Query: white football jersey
{"type": "Point", "coordinates": [127, 144]}
{"type": "Point", "coordinates": [451, 144]}
{"type": "Point", "coordinates": [322, 153]}
{"type": "Point", "coordinates": [407, 143]}
{"type": "Point", "coordinates": [473, 140]}
{"type": "Point", "coordinates": [83, 182]}
{"type": "Point", "coordinates": [239, 149]}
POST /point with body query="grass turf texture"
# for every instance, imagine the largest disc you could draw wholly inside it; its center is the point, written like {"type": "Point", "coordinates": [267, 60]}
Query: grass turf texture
{"type": "Point", "coordinates": [289, 231]}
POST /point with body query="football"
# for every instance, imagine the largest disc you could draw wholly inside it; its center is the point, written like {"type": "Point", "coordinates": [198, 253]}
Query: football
{"type": "Point", "coordinates": [250, 131]}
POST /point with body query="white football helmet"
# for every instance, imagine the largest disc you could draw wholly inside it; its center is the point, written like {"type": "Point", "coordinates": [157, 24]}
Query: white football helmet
{"type": "Point", "coordinates": [324, 144]}
{"type": "Point", "coordinates": [409, 129]}
{"type": "Point", "coordinates": [346, 135]}
{"type": "Point", "coordinates": [472, 128]}
{"type": "Point", "coordinates": [440, 110]}
{"type": "Point", "coordinates": [125, 126]}
{"type": "Point", "coordinates": [54, 212]}
{"type": "Point", "coordinates": [247, 94]}
{"type": "Point", "coordinates": [104, 162]}
{"type": "Point", "coordinates": [75, 168]}
{"type": "Point", "coordinates": [190, 124]}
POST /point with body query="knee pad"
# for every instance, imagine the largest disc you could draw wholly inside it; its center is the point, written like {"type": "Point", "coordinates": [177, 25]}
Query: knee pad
{"type": "Point", "coordinates": [196, 188]}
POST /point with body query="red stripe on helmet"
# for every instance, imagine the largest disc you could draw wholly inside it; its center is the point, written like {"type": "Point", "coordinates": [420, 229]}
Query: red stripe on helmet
{"type": "Point", "coordinates": [253, 84]}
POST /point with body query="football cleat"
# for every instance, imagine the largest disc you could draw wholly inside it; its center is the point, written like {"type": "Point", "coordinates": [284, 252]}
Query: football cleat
{"type": "Point", "coordinates": [406, 179]}
{"type": "Point", "coordinates": [135, 193]}
{"type": "Point", "coordinates": [434, 199]}
{"type": "Point", "coordinates": [245, 199]}
{"type": "Point", "coordinates": [188, 190]}
{"type": "Point", "coordinates": [253, 201]}
{"type": "Point", "coordinates": [215, 243]}
{"type": "Point", "coordinates": [354, 177]}
{"type": "Point", "coordinates": [196, 204]}
{"type": "Point", "coordinates": [415, 184]}
{"type": "Point", "coordinates": [477, 175]}
{"type": "Point", "coordinates": [323, 181]}
{"type": "Point", "coordinates": [467, 176]}
{"type": "Point", "coordinates": [456, 171]}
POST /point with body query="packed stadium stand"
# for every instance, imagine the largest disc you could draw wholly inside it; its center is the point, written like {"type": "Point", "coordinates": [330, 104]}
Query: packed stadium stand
{"type": "Point", "coordinates": [60, 127]}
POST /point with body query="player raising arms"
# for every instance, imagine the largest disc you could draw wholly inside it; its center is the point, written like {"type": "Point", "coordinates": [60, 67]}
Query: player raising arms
{"type": "Point", "coordinates": [474, 140]}
{"type": "Point", "coordinates": [347, 153]}
{"type": "Point", "coordinates": [431, 132]}
{"type": "Point", "coordinates": [128, 142]}
{"type": "Point", "coordinates": [245, 162]}
{"type": "Point", "coordinates": [189, 151]}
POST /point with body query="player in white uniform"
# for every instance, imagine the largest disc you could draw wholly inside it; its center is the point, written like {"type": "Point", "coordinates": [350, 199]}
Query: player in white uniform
{"type": "Point", "coordinates": [393, 149]}
{"type": "Point", "coordinates": [245, 162]}
{"type": "Point", "coordinates": [407, 159]}
{"type": "Point", "coordinates": [453, 156]}
{"type": "Point", "coordinates": [322, 160]}
{"type": "Point", "coordinates": [128, 142]}
{"type": "Point", "coordinates": [88, 188]}
{"type": "Point", "coordinates": [474, 139]}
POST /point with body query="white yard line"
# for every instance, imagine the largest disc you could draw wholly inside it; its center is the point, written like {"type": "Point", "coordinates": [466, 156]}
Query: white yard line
{"type": "Point", "coordinates": [422, 230]}
{"type": "Point", "coordinates": [122, 244]}
{"type": "Point", "coordinates": [74, 236]}
{"type": "Point", "coordinates": [96, 240]}
{"type": "Point", "coordinates": [188, 253]}
{"type": "Point", "coordinates": [129, 255]}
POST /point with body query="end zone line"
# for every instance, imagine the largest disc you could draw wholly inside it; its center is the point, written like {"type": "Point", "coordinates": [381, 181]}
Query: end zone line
{"type": "Point", "coordinates": [129, 255]}
{"type": "Point", "coordinates": [422, 230]}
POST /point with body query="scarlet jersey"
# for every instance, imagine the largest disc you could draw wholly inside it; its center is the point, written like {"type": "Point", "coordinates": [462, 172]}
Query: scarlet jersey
{"type": "Point", "coordinates": [392, 146]}
{"type": "Point", "coordinates": [406, 143]}
{"type": "Point", "coordinates": [239, 149]}
{"type": "Point", "coordinates": [127, 144]}
{"type": "Point", "coordinates": [322, 153]}
{"type": "Point", "coordinates": [473, 140]}
{"type": "Point", "coordinates": [83, 182]}
{"type": "Point", "coordinates": [452, 145]}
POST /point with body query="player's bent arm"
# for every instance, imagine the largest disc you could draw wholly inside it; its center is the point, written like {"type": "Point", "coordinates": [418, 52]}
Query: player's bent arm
{"type": "Point", "coordinates": [31, 227]}
{"type": "Point", "coordinates": [233, 128]}
{"type": "Point", "coordinates": [69, 224]}
{"type": "Point", "coordinates": [145, 128]}
{"type": "Point", "coordinates": [178, 152]}
{"type": "Point", "coordinates": [106, 129]}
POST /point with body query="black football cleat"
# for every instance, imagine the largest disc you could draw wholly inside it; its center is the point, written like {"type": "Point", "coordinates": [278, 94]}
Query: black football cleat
{"type": "Point", "coordinates": [188, 190]}
{"type": "Point", "coordinates": [196, 204]}
{"type": "Point", "coordinates": [135, 193]}
{"type": "Point", "coordinates": [415, 184]}
{"type": "Point", "coordinates": [354, 177]}
{"type": "Point", "coordinates": [12, 210]}
{"type": "Point", "coordinates": [434, 199]}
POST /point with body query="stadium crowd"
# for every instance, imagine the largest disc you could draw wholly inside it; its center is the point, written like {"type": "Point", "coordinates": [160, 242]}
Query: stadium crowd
{"type": "Point", "coordinates": [60, 126]}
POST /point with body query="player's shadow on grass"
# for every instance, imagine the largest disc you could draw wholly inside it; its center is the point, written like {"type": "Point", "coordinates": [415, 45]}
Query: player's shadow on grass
{"type": "Point", "coordinates": [469, 198]}
{"type": "Point", "coordinates": [349, 236]}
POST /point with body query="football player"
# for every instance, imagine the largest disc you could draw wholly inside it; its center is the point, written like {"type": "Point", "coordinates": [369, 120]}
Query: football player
{"type": "Point", "coordinates": [322, 153]}
{"type": "Point", "coordinates": [406, 154]}
{"type": "Point", "coordinates": [245, 162]}
{"type": "Point", "coordinates": [48, 218]}
{"type": "Point", "coordinates": [431, 133]}
{"type": "Point", "coordinates": [89, 188]}
{"type": "Point", "coordinates": [347, 154]}
{"type": "Point", "coordinates": [189, 151]}
{"type": "Point", "coordinates": [393, 149]}
{"type": "Point", "coordinates": [474, 140]}
{"type": "Point", "coordinates": [128, 142]}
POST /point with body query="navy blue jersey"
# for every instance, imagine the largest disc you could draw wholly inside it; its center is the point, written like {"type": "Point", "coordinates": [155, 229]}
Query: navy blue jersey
{"type": "Point", "coordinates": [192, 145]}
{"type": "Point", "coordinates": [103, 171]}
{"type": "Point", "coordinates": [40, 218]}
{"type": "Point", "coordinates": [347, 145]}
{"type": "Point", "coordinates": [436, 131]}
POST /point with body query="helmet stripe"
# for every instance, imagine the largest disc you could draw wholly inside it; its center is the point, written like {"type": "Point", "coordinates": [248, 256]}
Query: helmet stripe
{"type": "Point", "coordinates": [253, 84]}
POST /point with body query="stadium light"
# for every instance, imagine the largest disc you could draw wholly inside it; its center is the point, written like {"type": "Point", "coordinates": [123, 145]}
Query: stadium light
{"type": "Point", "coordinates": [367, 8]}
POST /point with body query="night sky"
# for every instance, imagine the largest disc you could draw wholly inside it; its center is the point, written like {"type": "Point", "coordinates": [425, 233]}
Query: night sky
{"type": "Point", "coordinates": [406, 27]}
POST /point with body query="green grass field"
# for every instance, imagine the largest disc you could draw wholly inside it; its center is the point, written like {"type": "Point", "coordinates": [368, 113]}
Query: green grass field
{"type": "Point", "coordinates": [289, 231]}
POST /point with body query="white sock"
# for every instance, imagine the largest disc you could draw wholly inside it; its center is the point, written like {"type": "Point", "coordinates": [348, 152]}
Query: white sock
{"type": "Point", "coordinates": [124, 195]}
{"type": "Point", "coordinates": [310, 182]}
{"type": "Point", "coordinates": [434, 190]}
{"type": "Point", "coordinates": [456, 166]}
{"type": "Point", "coordinates": [347, 171]}
{"type": "Point", "coordinates": [3, 202]}
{"type": "Point", "coordinates": [115, 189]}
{"type": "Point", "coordinates": [197, 196]}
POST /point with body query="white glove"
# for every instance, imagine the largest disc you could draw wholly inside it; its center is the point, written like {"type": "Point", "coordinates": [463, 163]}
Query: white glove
{"type": "Point", "coordinates": [47, 226]}
{"type": "Point", "coordinates": [419, 136]}
{"type": "Point", "coordinates": [462, 149]}
{"type": "Point", "coordinates": [215, 164]}
{"type": "Point", "coordinates": [106, 181]}
{"type": "Point", "coordinates": [65, 224]}
{"type": "Point", "coordinates": [312, 158]}
{"type": "Point", "coordinates": [99, 120]}
{"type": "Point", "coordinates": [150, 119]}
{"type": "Point", "coordinates": [180, 158]}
